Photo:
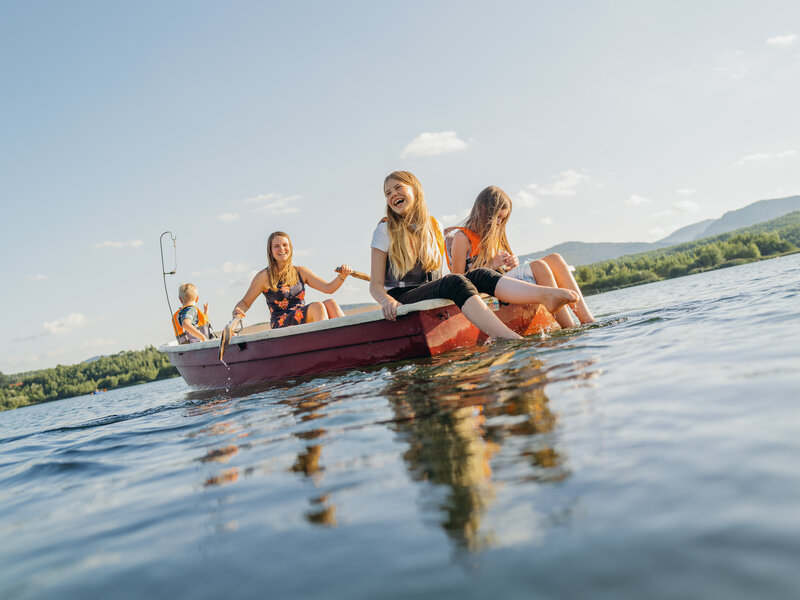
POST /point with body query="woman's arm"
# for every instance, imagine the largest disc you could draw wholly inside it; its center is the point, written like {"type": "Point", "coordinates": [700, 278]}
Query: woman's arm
{"type": "Point", "coordinates": [326, 287]}
{"type": "Point", "coordinates": [377, 277]}
{"type": "Point", "coordinates": [258, 285]}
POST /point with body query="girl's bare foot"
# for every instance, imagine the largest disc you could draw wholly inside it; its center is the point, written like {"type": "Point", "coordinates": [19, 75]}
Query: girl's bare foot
{"type": "Point", "coordinates": [555, 298]}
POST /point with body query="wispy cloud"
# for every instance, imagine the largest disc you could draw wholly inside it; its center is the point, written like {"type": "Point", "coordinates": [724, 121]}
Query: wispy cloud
{"type": "Point", "coordinates": [732, 72]}
{"type": "Point", "coordinates": [36, 277]}
{"type": "Point", "coordinates": [61, 326]}
{"type": "Point", "coordinates": [431, 144]}
{"type": "Point", "coordinates": [228, 268]}
{"type": "Point", "coordinates": [636, 200]}
{"type": "Point", "coordinates": [568, 183]}
{"type": "Point", "coordinates": [448, 220]}
{"type": "Point", "coordinates": [685, 191]}
{"type": "Point", "coordinates": [110, 244]}
{"type": "Point", "coordinates": [762, 156]}
{"type": "Point", "coordinates": [228, 217]}
{"type": "Point", "coordinates": [677, 207]}
{"type": "Point", "coordinates": [273, 203]}
{"type": "Point", "coordinates": [546, 221]}
{"type": "Point", "coordinates": [686, 206]}
{"type": "Point", "coordinates": [782, 40]}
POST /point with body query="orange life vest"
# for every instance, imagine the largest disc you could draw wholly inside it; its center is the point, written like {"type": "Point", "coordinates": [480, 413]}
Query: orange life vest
{"type": "Point", "coordinates": [202, 325]}
{"type": "Point", "coordinates": [474, 242]}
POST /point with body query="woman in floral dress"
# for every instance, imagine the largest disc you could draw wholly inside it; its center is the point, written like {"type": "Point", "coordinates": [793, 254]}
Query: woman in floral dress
{"type": "Point", "coordinates": [283, 285]}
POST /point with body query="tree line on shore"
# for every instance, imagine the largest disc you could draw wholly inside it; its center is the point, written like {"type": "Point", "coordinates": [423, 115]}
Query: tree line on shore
{"type": "Point", "coordinates": [765, 240]}
{"type": "Point", "coordinates": [105, 373]}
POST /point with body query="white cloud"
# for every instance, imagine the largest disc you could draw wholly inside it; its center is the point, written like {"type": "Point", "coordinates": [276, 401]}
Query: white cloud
{"type": "Point", "coordinates": [782, 40]}
{"type": "Point", "coordinates": [110, 244]}
{"type": "Point", "coordinates": [637, 200]}
{"type": "Point", "coordinates": [229, 268]}
{"type": "Point", "coordinates": [448, 220]}
{"type": "Point", "coordinates": [431, 144]}
{"type": "Point", "coordinates": [275, 204]}
{"type": "Point", "coordinates": [685, 191]}
{"type": "Point", "coordinates": [546, 221]}
{"type": "Point", "coordinates": [658, 232]}
{"type": "Point", "coordinates": [686, 205]}
{"type": "Point", "coordinates": [663, 213]}
{"type": "Point", "coordinates": [761, 156]}
{"type": "Point", "coordinates": [525, 198]}
{"type": "Point", "coordinates": [567, 184]}
{"type": "Point", "coordinates": [93, 343]}
{"type": "Point", "coordinates": [64, 325]}
{"type": "Point", "coordinates": [37, 277]}
{"type": "Point", "coordinates": [228, 217]}
{"type": "Point", "coordinates": [61, 326]}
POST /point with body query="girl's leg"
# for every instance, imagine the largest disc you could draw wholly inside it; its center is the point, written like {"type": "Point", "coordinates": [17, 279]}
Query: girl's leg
{"type": "Point", "coordinates": [483, 318]}
{"type": "Point", "coordinates": [544, 276]}
{"type": "Point", "coordinates": [316, 312]}
{"type": "Point", "coordinates": [461, 291]}
{"type": "Point", "coordinates": [332, 308]}
{"type": "Point", "coordinates": [564, 279]}
{"type": "Point", "coordinates": [514, 291]}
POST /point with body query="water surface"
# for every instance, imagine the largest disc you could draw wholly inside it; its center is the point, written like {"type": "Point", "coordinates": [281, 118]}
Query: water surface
{"type": "Point", "coordinates": [651, 456]}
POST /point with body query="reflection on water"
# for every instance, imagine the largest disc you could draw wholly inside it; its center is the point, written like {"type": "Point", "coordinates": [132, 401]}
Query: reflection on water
{"type": "Point", "coordinates": [456, 416]}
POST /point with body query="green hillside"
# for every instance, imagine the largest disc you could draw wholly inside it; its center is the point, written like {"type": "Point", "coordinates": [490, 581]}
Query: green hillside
{"type": "Point", "coordinates": [764, 240]}
{"type": "Point", "coordinates": [118, 370]}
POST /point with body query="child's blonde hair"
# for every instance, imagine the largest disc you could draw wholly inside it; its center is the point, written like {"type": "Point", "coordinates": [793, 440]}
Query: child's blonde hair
{"type": "Point", "coordinates": [187, 291]}
{"type": "Point", "coordinates": [412, 239]}
{"type": "Point", "coordinates": [275, 275]}
{"type": "Point", "coordinates": [482, 220]}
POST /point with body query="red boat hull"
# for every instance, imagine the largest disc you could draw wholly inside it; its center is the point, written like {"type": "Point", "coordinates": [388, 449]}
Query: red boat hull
{"type": "Point", "coordinates": [341, 344]}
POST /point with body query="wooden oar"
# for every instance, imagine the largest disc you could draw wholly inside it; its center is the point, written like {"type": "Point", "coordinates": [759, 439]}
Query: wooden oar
{"type": "Point", "coordinates": [227, 334]}
{"type": "Point", "coordinates": [356, 274]}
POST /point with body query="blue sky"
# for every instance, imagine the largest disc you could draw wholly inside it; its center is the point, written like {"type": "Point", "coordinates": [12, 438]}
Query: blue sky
{"type": "Point", "coordinates": [222, 122]}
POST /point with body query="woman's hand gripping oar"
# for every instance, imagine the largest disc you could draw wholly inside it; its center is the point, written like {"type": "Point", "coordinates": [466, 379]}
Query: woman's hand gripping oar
{"type": "Point", "coordinates": [356, 274]}
{"type": "Point", "coordinates": [228, 333]}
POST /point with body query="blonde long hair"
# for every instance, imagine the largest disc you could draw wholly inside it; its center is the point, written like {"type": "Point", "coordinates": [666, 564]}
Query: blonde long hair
{"type": "Point", "coordinates": [482, 220]}
{"type": "Point", "coordinates": [275, 275]}
{"type": "Point", "coordinates": [412, 239]}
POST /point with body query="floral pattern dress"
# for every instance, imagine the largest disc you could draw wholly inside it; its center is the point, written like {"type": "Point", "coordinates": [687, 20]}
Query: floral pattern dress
{"type": "Point", "coordinates": [287, 304]}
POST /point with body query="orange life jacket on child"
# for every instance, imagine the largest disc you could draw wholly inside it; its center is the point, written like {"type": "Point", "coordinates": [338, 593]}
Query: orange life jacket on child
{"type": "Point", "coordinates": [474, 243]}
{"type": "Point", "coordinates": [183, 336]}
{"type": "Point", "coordinates": [415, 277]}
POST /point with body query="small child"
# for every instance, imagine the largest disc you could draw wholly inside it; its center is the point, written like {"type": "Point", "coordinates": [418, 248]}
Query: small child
{"type": "Point", "coordinates": [190, 323]}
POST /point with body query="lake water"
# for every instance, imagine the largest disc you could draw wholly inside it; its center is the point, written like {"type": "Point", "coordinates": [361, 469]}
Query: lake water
{"type": "Point", "coordinates": [656, 455]}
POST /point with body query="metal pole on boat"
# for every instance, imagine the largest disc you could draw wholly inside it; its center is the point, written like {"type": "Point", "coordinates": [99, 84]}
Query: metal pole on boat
{"type": "Point", "coordinates": [164, 271]}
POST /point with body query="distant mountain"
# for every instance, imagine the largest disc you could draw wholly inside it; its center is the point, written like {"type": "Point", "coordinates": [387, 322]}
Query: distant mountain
{"type": "Point", "coordinates": [757, 212]}
{"type": "Point", "coordinates": [581, 253]}
{"type": "Point", "coordinates": [687, 234]}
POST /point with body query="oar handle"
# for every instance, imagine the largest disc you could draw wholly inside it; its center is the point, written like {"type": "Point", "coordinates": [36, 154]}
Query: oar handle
{"type": "Point", "coordinates": [356, 274]}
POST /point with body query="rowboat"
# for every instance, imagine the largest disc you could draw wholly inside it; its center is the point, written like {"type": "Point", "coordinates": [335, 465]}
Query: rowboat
{"type": "Point", "coordinates": [422, 329]}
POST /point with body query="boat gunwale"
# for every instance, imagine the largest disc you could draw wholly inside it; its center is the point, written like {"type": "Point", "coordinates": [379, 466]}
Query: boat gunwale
{"type": "Point", "coordinates": [294, 330]}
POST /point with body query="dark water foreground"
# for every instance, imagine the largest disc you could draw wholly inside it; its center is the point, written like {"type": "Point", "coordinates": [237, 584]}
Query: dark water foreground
{"type": "Point", "coordinates": [654, 456]}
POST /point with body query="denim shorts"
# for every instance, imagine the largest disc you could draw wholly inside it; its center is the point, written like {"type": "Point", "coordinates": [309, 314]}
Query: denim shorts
{"type": "Point", "coordinates": [522, 272]}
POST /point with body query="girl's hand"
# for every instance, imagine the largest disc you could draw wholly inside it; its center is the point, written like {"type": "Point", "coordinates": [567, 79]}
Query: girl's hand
{"type": "Point", "coordinates": [238, 313]}
{"type": "Point", "coordinates": [500, 259]}
{"type": "Point", "coordinates": [389, 308]}
{"type": "Point", "coordinates": [205, 308]}
{"type": "Point", "coordinates": [345, 270]}
{"type": "Point", "coordinates": [511, 262]}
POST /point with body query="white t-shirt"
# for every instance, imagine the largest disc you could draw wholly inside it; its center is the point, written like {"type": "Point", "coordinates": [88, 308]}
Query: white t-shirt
{"type": "Point", "coordinates": [380, 241]}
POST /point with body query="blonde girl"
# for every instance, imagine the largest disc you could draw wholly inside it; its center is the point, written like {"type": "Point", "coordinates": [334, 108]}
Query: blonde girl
{"type": "Point", "coordinates": [482, 242]}
{"type": "Point", "coordinates": [283, 285]}
{"type": "Point", "coordinates": [406, 267]}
